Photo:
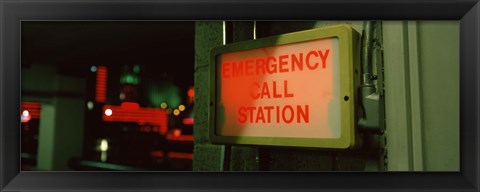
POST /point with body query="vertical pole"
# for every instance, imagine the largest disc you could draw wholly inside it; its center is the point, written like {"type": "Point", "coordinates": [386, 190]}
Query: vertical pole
{"type": "Point", "coordinates": [207, 157]}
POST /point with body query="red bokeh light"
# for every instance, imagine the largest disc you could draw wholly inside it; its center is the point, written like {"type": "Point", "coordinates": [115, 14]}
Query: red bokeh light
{"type": "Point", "coordinates": [139, 115]}
{"type": "Point", "coordinates": [101, 88]}
{"type": "Point", "coordinates": [191, 92]}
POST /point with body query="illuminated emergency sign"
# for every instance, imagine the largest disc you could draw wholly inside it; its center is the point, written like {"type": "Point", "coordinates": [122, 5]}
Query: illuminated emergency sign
{"type": "Point", "coordinates": [296, 89]}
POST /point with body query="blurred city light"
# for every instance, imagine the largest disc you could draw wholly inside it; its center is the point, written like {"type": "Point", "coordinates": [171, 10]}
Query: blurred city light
{"type": "Point", "coordinates": [108, 112]}
{"type": "Point", "coordinates": [104, 145]}
{"type": "Point", "coordinates": [90, 105]}
{"type": "Point", "coordinates": [181, 107]}
{"type": "Point", "coordinates": [25, 113]}
{"type": "Point", "coordinates": [176, 112]}
{"type": "Point", "coordinates": [163, 105]}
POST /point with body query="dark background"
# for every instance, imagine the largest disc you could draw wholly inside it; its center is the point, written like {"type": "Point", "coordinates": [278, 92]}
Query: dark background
{"type": "Point", "coordinates": [164, 48]}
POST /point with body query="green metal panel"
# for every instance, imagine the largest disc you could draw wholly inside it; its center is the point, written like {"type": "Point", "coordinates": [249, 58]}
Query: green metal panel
{"type": "Point", "coordinates": [46, 135]}
{"type": "Point", "coordinates": [349, 79]}
{"type": "Point", "coordinates": [422, 95]}
{"type": "Point", "coordinates": [69, 126]}
{"type": "Point", "coordinates": [207, 157]}
{"type": "Point", "coordinates": [439, 69]}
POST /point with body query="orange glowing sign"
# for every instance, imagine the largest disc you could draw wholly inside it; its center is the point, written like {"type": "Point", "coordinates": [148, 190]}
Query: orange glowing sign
{"type": "Point", "coordinates": [131, 112]}
{"type": "Point", "coordinates": [101, 88]}
{"type": "Point", "coordinates": [284, 90]}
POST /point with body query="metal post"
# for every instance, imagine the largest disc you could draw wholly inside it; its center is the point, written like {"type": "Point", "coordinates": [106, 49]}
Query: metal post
{"type": "Point", "coordinates": [370, 98]}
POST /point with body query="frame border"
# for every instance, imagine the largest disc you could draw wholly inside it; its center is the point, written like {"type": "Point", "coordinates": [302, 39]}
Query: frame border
{"type": "Point", "coordinates": [13, 11]}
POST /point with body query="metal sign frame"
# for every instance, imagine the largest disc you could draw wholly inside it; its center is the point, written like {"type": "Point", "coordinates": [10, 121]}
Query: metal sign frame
{"type": "Point", "coordinates": [349, 80]}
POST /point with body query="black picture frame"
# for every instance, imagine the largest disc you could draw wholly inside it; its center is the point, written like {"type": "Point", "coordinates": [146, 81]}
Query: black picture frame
{"type": "Point", "coordinates": [14, 11]}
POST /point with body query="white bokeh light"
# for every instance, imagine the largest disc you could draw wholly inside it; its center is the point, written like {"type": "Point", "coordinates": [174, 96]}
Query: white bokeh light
{"type": "Point", "coordinates": [108, 112]}
{"type": "Point", "coordinates": [25, 113]}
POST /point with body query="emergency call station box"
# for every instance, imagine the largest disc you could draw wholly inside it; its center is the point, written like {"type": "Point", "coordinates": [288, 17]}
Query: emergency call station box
{"type": "Point", "coordinates": [296, 89]}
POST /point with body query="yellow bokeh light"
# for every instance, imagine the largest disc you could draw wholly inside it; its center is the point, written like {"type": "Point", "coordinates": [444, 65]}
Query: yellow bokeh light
{"type": "Point", "coordinates": [176, 112]}
{"type": "Point", "coordinates": [163, 105]}
{"type": "Point", "coordinates": [103, 145]}
{"type": "Point", "coordinates": [181, 107]}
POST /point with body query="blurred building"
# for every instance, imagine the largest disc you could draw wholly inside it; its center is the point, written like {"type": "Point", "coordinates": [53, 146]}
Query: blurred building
{"type": "Point", "coordinates": [104, 96]}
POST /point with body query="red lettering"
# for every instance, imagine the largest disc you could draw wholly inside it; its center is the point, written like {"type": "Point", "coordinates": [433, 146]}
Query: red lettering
{"type": "Point", "coordinates": [249, 67]}
{"type": "Point", "coordinates": [282, 63]}
{"type": "Point", "coordinates": [273, 65]}
{"type": "Point", "coordinates": [225, 70]}
{"type": "Point", "coordinates": [286, 114]}
{"type": "Point", "coordinates": [278, 114]}
{"type": "Point", "coordinates": [309, 54]}
{"type": "Point", "coordinates": [290, 119]}
{"type": "Point", "coordinates": [298, 61]}
{"type": "Point", "coordinates": [265, 90]}
{"type": "Point", "coordinates": [237, 69]}
{"type": "Point", "coordinates": [260, 63]}
{"type": "Point", "coordinates": [269, 65]}
{"type": "Point", "coordinates": [251, 109]}
{"type": "Point", "coordinates": [285, 88]}
{"type": "Point", "coordinates": [275, 95]}
{"type": "Point", "coordinates": [242, 118]}
{"type": "Point", "coordinates": [268, 108]}
{"type": "Point", "coordinates": [302, 113]}
{"type": "Point", "coordinates": [324, 57]}
{"type": "Point", "coordinates": [260, 115]}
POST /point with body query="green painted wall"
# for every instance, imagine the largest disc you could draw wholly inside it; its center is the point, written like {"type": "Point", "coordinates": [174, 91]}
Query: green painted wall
{"type": "Point", "coordinates": [422, 95]}
{"type": "Point", "coordinates": [69, 122]}
{"type": "Point", "coordinates": [439, 62]}
{"type": "Point", "coordinates": [207, 157]}
{"type": "Point", "coordinates": [46, 134]}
